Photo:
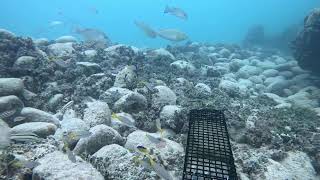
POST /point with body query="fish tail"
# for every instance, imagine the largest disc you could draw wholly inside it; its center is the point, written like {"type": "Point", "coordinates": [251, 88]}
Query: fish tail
{"type": "Point", "coordinates": [167, 9]}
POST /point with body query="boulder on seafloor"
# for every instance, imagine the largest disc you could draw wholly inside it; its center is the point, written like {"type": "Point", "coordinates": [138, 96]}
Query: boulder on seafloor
{"type": "Point", "coordinates": [170, 152]}
{"type": "Point", "coordinates": [163, 96]}
{"type": "Point", "coordinates": [56, 165]}
{"type": "Point", "coordinates": [61, 49]}
{"type": "Point", "coordinates": [101, 135]}
{"type": "Point", "coordinates": [183, 66]}
{"type": "Point", "coordinates": [35, 115]}
{"type": "Point", "coordinates": [126, 78]}
{"type": "Point", "coordinates": [131, 103]}
{"type": "Point", "coordinates": [170, 116]}
{"type": "Point", "coordinates": [11, 86]}
{"type": "Point", "coordinates": [25, 62]}
{"type": "Point", "coordinates": [42, 129]}
{"type": "Point", "coordinates": [202, 90]}
{"type": "Point", "coordinates": [96, 113]}
{"type": "Point", "coordinates": [74, 126]}
{"type": "Point", "coordinates": [118, 163]}
{"type": "Point", "coordinates": [296, 166]}
{"type": "Point", "coordinates": [113, 94]}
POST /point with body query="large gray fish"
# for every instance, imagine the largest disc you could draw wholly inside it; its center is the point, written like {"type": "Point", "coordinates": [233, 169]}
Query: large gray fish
{"type": "Point", "coordinates": [172, 35]}
{"type": "Point", "coordinates": [176, 12]}
{"type": "Point", "coordinates": [93, 35]}
{"type": "Point", "coordinates": [146, 29]}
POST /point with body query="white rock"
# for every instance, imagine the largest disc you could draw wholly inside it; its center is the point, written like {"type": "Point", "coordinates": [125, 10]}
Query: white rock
{"type": "Point", "coordinates": [296, 166]}
{"type": "Point", "coordinates": [163, 52]}
{"type": "Point", "coordinates": [245, 82]}
{"type": "Point", "coordinates": [279, 60]}
{"type": "Point", "coordinates": [169, 153]}
{"type": "Point", "coordinates": [42, 129]}
{"type": "Point", "coordinates": [25, 62]}
{"type": "Point", "coordinates": [203, 90]}
{"type": "Point", "coordinates": [66, 39]}
{"type": "Point", "coordinates": [256, 79]}
{"type": "Point", "coordinates": [164, 96]}
{"type": "Point", "coordinates": [56, 165]}
{"type": "Point", "coordinates": [126, 77]}
{"type": "Point", "coordinates": [41, 42]}
{"type": "Point", "coordinates": [248, 71]}
{"type": "Point", "coordinates": [278, 86]}
{"type": "Point", "coordinates": [169, 116]}
{"type": "Point", "coordinates": [183, 66]}
{"type": "Point", "coordinates": [89, 66]}
{"type": "Point", "coordinates": [114, 94]}
{"type": "Point", "coordinates": [271, 80]}
{"type": "Point", "coordinates": [302, 99]}
{"type": "Point", "coordinates": [90, 53]}
{"type": "Point", "coordinates": [275, 98]}
{"type": "Point", "coordinates": [11, 86]}
{"type": "Point", "coordinates": [270, 73]}
{"type": "Point", "coordinates": [131, 103]}
{"type": "Point", "coordinates": [286, 74]}
{"type": "Point", "coordinates": [72, 125]}
{"type": "Point", "coordinates": [120, 163]}
{"type": "Point", "coordinates": [61, 49]}
{"type": "Point", "coordinates": [229, 87]}
{"type": "Point", "coordinates": [266, 65]}
{"type": "Point", "coordinates": [225, 53]}
{"type": "Point", "coordinates": [102, 135]}
{"type": "Point", "coordinates": [96, 113]}
{"type": "Point", "coordinates": [36, 115]}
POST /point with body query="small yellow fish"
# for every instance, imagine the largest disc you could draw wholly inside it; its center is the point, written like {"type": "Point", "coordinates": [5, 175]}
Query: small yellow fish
{"type": "Point", "coordinates": [115, 116]}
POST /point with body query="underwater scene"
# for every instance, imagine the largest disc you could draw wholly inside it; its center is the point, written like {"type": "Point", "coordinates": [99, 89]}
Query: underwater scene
{"type": "Point", "coordinates": [103, 89]}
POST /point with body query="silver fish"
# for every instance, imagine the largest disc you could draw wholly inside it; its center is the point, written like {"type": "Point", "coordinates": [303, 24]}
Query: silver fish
{"type": "Point", "coordinates": [19, 119]}
{"type": "Point", "coordinates": [161, 171]}
{"type": "Point", "coordinates": [31, 164]}
{"type": "Point", "coordinates": [71, 155]}
{"type": "Point", "coordinates": [176, 12]}
{"type": "Point", "coordinates": [146, 29]}
{"type": "Point", "coordinates": [160, 143]}
{"type": "Point", "coordinates": [4, 135]}
{"type": "Point", "coordinates": [172, 35]}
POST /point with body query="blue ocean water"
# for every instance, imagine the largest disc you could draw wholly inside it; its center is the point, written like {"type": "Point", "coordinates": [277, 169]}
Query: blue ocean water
{"type": "Point", "coordinates": [209, 20]}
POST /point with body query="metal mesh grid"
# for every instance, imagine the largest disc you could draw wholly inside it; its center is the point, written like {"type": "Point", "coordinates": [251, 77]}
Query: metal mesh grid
{"type": "Point", "coordinates": [208, 152]}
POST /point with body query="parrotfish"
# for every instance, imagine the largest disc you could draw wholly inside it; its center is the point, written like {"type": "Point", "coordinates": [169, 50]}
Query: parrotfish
{"type": "Point", "coordinates": [172, 35]}
{"type": "Point", "coordinates": [176, 12]}
{"type": "Point", "coordinates": [146, 29]}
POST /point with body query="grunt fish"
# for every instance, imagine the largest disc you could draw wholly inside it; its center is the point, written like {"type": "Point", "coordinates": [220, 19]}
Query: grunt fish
{"type": "Point", "coordinates": [172, 35]}
{"type": "Point", "coordinates": [176, 12]}
{"type": "Point", "coordinates": [146, 29]}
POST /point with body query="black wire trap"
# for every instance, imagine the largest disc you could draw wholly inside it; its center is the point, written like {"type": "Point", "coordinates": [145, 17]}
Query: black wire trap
{"type": "Point", "coordinates": [208, 152]}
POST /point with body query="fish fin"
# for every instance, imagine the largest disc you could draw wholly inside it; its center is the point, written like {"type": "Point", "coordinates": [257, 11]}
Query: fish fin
{"type": "Point", "coordinates": [166, 9]}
